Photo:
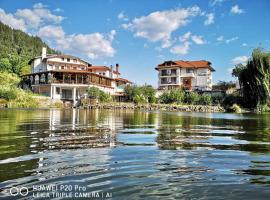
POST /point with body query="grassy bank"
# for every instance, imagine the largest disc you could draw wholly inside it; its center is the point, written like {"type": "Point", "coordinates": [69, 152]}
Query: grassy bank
{"type": "Point", "coordinates": [12, 96]}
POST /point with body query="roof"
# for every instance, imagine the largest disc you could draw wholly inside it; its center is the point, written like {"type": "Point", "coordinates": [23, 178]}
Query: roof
{"type": "Point", "coordinates": [102, 68]}
{"type": "Point", "coordinates": [123, 80]}
{"type": "Point", "coordinates": [59, 55]}
{"type": "Point", "coordinates": [187, 64]}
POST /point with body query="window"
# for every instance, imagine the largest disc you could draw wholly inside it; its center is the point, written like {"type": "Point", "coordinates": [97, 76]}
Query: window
{"type": "Point", "coordinates": [57, 90]}
{"type": "Point", "coordinates": [189, 71]}
{"type": "Point", "coordinates": [63, 59]}
{"type": "Point", "coordinates": [68, 59]}
{"type": "Point", "coordinates": [62, 67]}
{"type": "Point", "coordinates": [75, 60]}
{"type": "Point", "coordinates": [74, 68]}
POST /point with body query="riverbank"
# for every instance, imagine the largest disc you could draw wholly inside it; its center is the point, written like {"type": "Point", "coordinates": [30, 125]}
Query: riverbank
{"type": "Point", "coordinates": [150, 107]}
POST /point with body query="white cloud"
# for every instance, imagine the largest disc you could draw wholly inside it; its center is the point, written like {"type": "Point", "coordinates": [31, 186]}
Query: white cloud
{"type": "Point", "coordinates": [244, 44]}
{"type": "Point", "coordinates": [197, 39]}
{"type": "Point", "coordinates": [122, 16]}
{"type": "Point", "coordinates": [185, 40]}
{"type": "Point", "coordinates": [181, 49]}
{"type": "Point", "coordinates": [94, 45]}
{"type": "Point", "coordinates": [12, 21]}
{"type": "Point", "coordinates": [50, 31]}
{"type": "Point", "coordinates": [216, 2]}
{"type": "Point", "coordinates": [159, 25]}
{"type": "Point", "coordinates": [231, 40]}
{"type": "Point", "coordinates": [209, 19]}
{"type": "Point", "coordinates": [236, 10]}
{"type": "Point", "coordinates": [220, 38]}
{"type": "Point", "coordinates": [185, 37]}
{"type": "Point", "coordinates": [35, 17]}
{"type": "Point", "coordinates": [239, 59]}
{"type": "Point", "coordinates": [25, 19]}
{"type": "Point", "coordinates": [58, 10]}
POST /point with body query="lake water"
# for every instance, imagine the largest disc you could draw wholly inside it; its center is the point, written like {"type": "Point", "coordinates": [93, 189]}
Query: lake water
{"type": "Point", "coordinates": [133, 155]}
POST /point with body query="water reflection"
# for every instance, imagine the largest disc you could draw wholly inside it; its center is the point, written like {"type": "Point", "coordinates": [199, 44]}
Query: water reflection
{"type": "Point", "coordinates": [139, 154]}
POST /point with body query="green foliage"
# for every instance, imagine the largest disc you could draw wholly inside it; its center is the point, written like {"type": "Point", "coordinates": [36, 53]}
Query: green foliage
{"type": "Point", "coordinates": [132, 91]}
{"type": "Point", "coordinates": [15, 96]}
{"type": "Point", "coordinates": [139, 98]}
{"type": "Point", "coordinates": [172, 96]}
{"type": "Point", "coordinates": [93, 92]}
{"type": "Point", "coordinates": [217, 98]}
{"type": "Point", "coordinates": [205, 99]}
{"type": "Point", "coordinates": [192, 98]}
{"type": "Point", "coordinates": [5, 65]}
{"type": "Point", "coordinates": [96, 93]}
{"type": "Point", "coordinates": [235, 108]}
{"type": "Point", "coordinates": [17, 48]}
{"type": "Point", "coordinates": [231, 99]}
{"type": "Point", "coordinates": [254, 79]}
{"type": "Point", "coordinates": [104, 97]}
{"type": "Point", "coordinates": [223, 85]}
{"type": "Point", "coordinates": [8, 79]}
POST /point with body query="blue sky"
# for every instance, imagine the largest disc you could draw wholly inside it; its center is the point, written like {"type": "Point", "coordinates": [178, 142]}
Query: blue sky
{"type": "Point", "coordinates": [143, 33]}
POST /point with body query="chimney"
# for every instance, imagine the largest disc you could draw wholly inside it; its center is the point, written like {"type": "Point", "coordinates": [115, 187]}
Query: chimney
{"type": "Point", "coordinates": [117, 69]}
{"type": "Point", "coordinates": [44, 53]}
{"type": "Point", "coordinates": [111, 72]}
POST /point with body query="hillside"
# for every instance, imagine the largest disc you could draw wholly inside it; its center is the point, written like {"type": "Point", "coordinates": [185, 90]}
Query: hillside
{"type": "Point", "coordinates": [17, 48]}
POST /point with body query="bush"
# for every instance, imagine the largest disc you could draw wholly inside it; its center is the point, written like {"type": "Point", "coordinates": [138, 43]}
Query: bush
{"type": "Point", "coordinates": [217, 98]}
{"type": "Point", "coordinates": [172, 96]}
{"type": "Point", "coordinates": [205, 99]}
{"type": "Point", "coordinates": [104, 97]}
{"type": "Point", "coordinates": [140, 99]}
{"type": "Point", "coordinates": [231, 99]}
{"type": "Point", "coordinates": [235, 108]}
{"type": "Point", "coordinates": [8, 93]}
{"type": "Point", "coordinates": [192, 98]}
{"type": "Point", "coordinates": [147, 91]}
{"type": "Point", "coordinates": [93, 92]}
{"type": "Point", "coordinates": [96, 93]}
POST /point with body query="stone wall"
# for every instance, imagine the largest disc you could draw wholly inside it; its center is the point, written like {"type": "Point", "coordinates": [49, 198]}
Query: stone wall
{"type": "Point", "coordinates": [165, 107]}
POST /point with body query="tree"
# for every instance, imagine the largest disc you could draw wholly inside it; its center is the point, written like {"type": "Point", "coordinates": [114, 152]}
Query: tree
{"type": "Point", "coordinates": [254, 79]}
{"type": "Point", "coordinates": [5, 65]}
{"type": "Point", "coordinates": [93, 92]}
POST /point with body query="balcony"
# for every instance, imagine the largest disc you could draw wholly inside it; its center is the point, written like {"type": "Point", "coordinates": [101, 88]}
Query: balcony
{"type": "Point", "coordinates": [168, 74]}
{"type": "Point", "coordinates": [191, 74]}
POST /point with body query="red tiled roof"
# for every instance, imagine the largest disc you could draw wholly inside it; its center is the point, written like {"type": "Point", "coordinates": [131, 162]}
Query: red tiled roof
{"type": "Point", "coordinates": [102, 68]}
{"type": "Point", "coordinates": [123, 79]}
{"type": "Point", "coordinates": [188, 64]}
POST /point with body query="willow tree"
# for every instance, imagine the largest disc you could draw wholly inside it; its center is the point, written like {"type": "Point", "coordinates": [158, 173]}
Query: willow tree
{"type": "Point", "coordinates": [254, 78]}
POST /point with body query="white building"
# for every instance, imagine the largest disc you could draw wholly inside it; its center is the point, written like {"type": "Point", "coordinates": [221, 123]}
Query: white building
{"type": "Point", "coordinates": [190, 75]}
{"type": "Point", "coordinates": [65, 77]}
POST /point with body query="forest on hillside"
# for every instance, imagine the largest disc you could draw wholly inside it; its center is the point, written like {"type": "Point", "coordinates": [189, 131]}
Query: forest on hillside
{"type": "Point", "coordinates": [17, 48]}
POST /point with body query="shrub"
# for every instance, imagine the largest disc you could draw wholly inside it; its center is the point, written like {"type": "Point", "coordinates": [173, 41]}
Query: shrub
{"type": "Point", "coordinates": [93, 92]}
{"type": "Point", "coordinates": [96, 93]}
{"type": "Point", "coordinates": [172, 96]}
{"type": "Point", "coordinates": [104, 97]}
{"type": "Point", "coordinates": [205, 99]}
{"type": "Point", "coordinates": [192, 98]}
{"type": "Point", "coordinates": [217, 98]}
{"type": "Point", "coordinates": [140, 99]}
{"type": "Point", "coordinates": [231, 99]}
{"type": "Point", "coordinates": [235, 108]}
{"type": "Point", "coordinates": [8, 93]}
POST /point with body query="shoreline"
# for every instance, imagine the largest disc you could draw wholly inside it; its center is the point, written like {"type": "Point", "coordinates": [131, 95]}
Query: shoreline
{"type": "Point", "coordinates": [155, 107]}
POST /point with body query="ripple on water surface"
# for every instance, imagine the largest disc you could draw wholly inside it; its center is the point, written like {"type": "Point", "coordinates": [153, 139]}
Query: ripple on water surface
{"type": "Point", "coordinates": [139, 155]}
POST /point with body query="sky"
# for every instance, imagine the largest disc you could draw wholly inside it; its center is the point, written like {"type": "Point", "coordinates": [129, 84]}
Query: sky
{"type": "Point", "coordinates": [143, 33]}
